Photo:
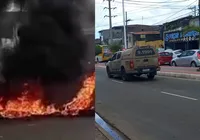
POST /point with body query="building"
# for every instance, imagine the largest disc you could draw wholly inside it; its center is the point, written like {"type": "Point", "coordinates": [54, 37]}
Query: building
{"type": "Point", "coordinates": [145, 38]}
{"type": "Point", "coordinates": [118, 32]}
{"type": "Point", "coordinates": [176, 38]}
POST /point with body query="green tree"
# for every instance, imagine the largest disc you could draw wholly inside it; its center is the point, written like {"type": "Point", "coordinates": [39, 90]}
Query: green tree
{"type": "Point", "coordinates": [115, 47]}
{"type": "Point", "coordinates": [98, 50]}
{"type": "Point", "coordinates": [191, 28]}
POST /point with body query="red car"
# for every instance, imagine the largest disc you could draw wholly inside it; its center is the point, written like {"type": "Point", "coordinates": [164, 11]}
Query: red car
{"type": "Point", "coordinates": [165, 58]}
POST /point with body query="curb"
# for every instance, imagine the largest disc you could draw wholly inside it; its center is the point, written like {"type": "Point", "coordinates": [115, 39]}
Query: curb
{"type": "Point", "coordinates": [103, 132]}
{"type": "Point", "coordinates": [108, 130]}
{"type": "Point", "coordinates": [179, 75]}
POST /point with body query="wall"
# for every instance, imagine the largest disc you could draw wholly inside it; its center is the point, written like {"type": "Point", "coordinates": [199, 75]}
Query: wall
{"type": "Point", "coordinates": [118, 31]}
{"type": "Point", "coordinates": [156, 43]}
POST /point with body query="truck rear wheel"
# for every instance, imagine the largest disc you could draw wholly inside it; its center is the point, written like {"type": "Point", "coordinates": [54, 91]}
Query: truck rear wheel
{"type": "Point", "coordinates": [150, 76]}
{"type": "Point", "coordinates": [108, 72]}
{"type": "Point", "coordinates": [124, 76]}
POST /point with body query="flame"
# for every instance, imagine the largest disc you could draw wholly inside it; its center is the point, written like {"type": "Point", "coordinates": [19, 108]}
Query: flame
{"type": "Point", "coordinates": [26, 106]}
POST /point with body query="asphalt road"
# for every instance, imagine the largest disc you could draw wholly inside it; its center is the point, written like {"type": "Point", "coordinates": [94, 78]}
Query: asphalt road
{"type": "Point", "coordinates": [163, 109]}
{"type": "Point", "coordinates": [48, 129]}
{"type": "Point", "coordinates": [99, 135]}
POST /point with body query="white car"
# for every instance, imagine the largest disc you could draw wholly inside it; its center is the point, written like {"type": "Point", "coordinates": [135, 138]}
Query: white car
{"type": "Point", "coordinates": [175, 53]}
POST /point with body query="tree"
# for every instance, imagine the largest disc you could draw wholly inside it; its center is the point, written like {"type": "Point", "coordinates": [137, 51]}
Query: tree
{"type": "Point", "coordinates": [115, 47]}
{"type": "Point", "coordinates": [98, 50]}
{"type": "Point", "coordinates": [192, 28]}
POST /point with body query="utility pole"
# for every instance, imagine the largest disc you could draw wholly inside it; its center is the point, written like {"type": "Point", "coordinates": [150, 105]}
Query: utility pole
{"type": "Point", "coordinates": [194, 9]}
{"type": "Point", "coordinates": [127, 20]}
{"type": "Point", "coordinates": [110, 19]}
{"type": "Point", "coordinates": [124, 20]}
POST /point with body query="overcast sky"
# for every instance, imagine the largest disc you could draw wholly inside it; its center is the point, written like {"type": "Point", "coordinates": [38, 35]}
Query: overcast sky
{"type": "Point", "coordinates": [152, 11]}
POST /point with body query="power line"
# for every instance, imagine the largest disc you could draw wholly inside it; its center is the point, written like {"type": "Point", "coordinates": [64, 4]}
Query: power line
{"type": "Point", "coordinates": [110, 18]}
{"type": "Point", "coordinates": [148, 7]}
{"type": "Point", "coordinates": [137, 19]}
{"type": "Point", "coordinates": [146, 18]}
{"type": "Point", "coordinates": [175, 13]}
{"type": "Point", "coordinates": [135, 1]}
{"type": "Point", "coordinates": [150, 2]}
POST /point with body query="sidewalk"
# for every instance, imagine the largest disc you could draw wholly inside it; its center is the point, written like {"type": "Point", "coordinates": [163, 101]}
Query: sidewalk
{"type": "Point", "coordinates": [178, 72]}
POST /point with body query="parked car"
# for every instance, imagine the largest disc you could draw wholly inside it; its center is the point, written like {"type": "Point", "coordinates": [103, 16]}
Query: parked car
{"type": "Point", "coordinates": [189, 58]}
{"type": "Point", "coordinates": [165, 58]}
{"type": "Point", "coordinates": [174, 52]}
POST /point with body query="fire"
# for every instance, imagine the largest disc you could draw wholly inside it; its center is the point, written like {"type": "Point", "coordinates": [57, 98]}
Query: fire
{"type": "Point", "coordinates": [26, 106]}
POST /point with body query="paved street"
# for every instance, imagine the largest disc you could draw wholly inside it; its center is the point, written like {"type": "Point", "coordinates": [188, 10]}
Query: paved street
{"type": "Point", "coordinates": [187, 70]}
{"type": "Point", "coordinates": [99, 135]}
{"type": "Point", "coordinates": [163, 109]}
{"type": "Point", "coordinates": [48, 129]}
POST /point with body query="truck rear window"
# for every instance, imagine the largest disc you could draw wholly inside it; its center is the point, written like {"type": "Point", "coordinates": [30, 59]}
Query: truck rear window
{"type": "Point", "coordinates": [145, 52]}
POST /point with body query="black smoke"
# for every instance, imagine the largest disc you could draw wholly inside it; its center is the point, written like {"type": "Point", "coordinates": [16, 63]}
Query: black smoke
{"type": "Point", "coordinates": [50, 49]}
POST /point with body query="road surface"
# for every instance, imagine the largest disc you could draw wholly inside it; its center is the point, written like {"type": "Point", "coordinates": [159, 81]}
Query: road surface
{"type": "Point", "coordinates": [163, 109]}
{"type": "Point", "coordinates": [187, 70]}
{"type": "Point", "coordinates": [48, 129]}
{"type": "Point", "coordinates": [99, 135]}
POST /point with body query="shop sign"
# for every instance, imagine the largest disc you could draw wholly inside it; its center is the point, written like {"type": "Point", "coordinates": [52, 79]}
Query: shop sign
{"type": "Point", "coordinates": [191, 34]}
{"type": "Point", "coordinates": [177, 37]}
{"type": "Point", "coordinates": [172, 36]}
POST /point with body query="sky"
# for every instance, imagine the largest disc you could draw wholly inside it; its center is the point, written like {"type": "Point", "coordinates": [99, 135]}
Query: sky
{"type": "Point", "coordinates": [148, 12]}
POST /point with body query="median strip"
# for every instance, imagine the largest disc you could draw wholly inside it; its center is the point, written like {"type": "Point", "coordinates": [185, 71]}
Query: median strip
{"type": "Point", "coordinates": [173, 73]}
{"type": "Point", "coordinates": [180, 75]}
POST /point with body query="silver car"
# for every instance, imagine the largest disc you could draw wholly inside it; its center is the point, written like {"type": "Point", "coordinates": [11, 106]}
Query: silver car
{"type": "Point", "coordinates": [189, 58]}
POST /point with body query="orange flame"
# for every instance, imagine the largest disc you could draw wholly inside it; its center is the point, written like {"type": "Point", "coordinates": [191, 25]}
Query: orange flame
{"type": "Point", "coordinates": [25, 106]}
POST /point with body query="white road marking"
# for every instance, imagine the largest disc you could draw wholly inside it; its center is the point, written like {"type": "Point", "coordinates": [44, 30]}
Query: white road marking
{"type": "Point", "coordinates": [189, 98]}
{"type": "Point", "coordinates": [117, 81]}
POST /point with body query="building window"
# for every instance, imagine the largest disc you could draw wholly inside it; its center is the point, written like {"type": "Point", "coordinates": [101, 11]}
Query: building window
{"type": "Point", "coordinates": [142, 36]}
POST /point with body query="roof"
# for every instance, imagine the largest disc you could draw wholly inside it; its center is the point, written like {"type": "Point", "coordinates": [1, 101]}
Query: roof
{"type": "Point", "coordinates": [145, 33]}
{"type": "Point", "coordinates": [132, 26]}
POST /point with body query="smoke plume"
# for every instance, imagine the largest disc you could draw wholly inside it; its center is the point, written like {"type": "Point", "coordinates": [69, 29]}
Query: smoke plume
{"type": "Point", "coordinates": [50, 49]}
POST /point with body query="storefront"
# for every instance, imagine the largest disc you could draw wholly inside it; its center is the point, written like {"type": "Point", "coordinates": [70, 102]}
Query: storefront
{"type": "Point", "coordinates": [178, 40]}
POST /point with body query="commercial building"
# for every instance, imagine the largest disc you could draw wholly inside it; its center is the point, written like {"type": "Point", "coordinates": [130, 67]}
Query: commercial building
{"type": "Point", "coordinates": [151, 38]}
{"type": "Point", "coordinates": [175, 36]}
{"type": "Point", "coordinates": [118, 32]}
